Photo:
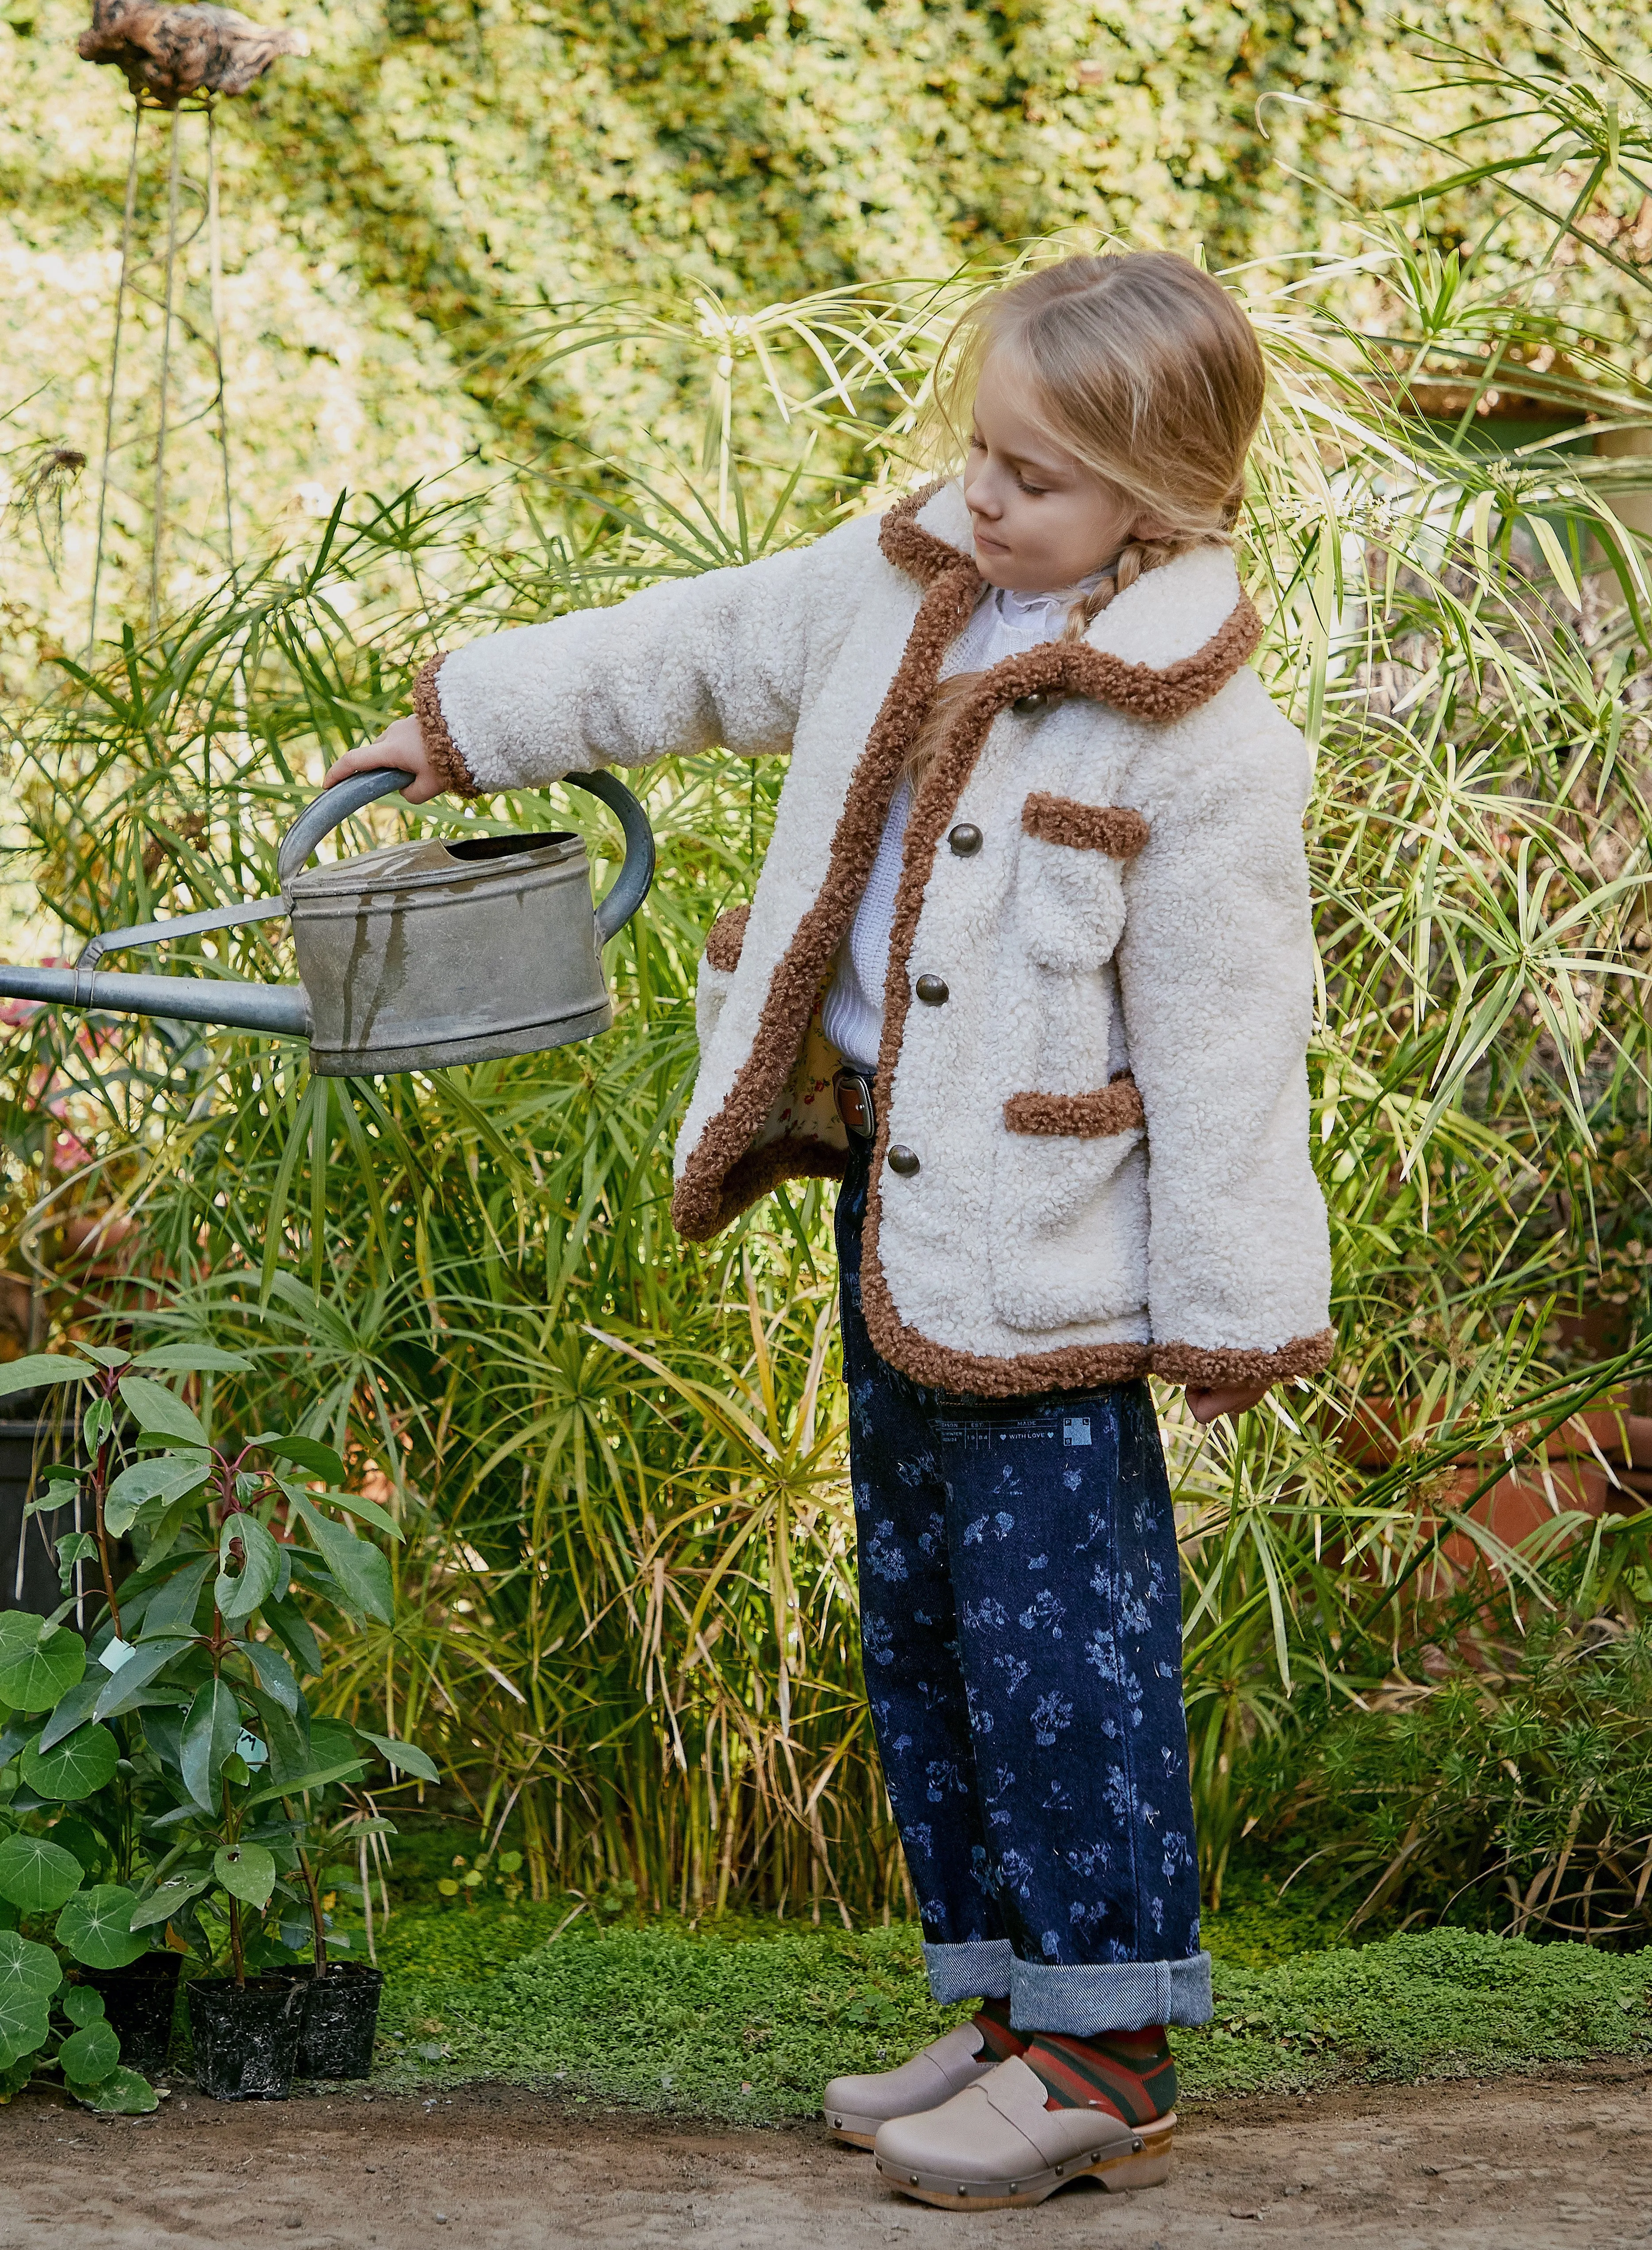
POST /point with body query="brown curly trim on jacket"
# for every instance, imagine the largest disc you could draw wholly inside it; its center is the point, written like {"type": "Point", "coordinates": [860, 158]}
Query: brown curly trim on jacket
{"type": "Point", "coordinates": [1075, 1367]}
{"type": "Point", "coordinates": [439, 747]}
{"type": "Point", "coordinates": [1115, 1107]}
{"type": "Point", "coordinates": [1204, 1369]}
{"type": "Point", "coordinates": [761, 1170]}
{"type": "Point", "coordinates": [1110, 828]}
{"type": "Point", "coordinates": [726, 937]}
{"type": "Point", "coordinates": [713, 1187]}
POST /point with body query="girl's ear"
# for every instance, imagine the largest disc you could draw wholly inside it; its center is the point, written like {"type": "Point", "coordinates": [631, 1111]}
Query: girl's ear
{"type": "Point", "coordinates": [1151, 528]}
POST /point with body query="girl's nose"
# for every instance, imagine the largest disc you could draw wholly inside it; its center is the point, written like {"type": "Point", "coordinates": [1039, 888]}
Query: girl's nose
{"type": "Point", "coordinates": [978, 497]}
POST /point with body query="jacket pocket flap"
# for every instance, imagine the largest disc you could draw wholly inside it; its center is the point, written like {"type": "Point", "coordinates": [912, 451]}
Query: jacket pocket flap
{"type": "Point", "coordinates": [1115, 1107]}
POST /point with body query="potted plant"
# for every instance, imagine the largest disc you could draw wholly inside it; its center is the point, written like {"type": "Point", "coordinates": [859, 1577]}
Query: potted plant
{"type": "Point", "coordinates": [191, 1706]}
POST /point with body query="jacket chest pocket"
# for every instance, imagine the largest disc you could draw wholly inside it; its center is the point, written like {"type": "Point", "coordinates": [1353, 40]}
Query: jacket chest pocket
{"type": "Point", "coordinates": [1070, 886]}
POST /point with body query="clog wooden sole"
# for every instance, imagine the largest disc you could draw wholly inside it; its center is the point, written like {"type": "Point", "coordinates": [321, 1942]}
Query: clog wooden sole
{"type": "Point", "coordinates": [1145, 2163]}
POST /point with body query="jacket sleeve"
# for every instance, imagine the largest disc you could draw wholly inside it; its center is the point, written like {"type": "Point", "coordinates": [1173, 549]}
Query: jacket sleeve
{"type": "Point", "coordinates": [718, 659]}
{"type": "Point", "coordinates": [1216, 974]}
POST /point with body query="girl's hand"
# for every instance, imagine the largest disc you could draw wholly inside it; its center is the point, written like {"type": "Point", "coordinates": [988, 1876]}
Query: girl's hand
{"type": "Point", "coordinates": [401, 744]}
{"type": "Point", "coordinates": [1209, 1406]}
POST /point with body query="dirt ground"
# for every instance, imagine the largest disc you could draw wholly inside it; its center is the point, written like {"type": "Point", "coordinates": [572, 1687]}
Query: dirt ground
{"type": "Point", "coordinates": [1518, 2164]}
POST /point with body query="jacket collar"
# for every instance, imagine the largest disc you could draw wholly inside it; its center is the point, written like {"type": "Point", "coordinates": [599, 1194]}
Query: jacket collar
{"type": "Point", "coordinates": [1156, 626]}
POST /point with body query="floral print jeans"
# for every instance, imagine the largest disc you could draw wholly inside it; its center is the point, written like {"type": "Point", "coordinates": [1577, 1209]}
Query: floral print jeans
{"type": "Point", "coordinates": [1020, 1624]}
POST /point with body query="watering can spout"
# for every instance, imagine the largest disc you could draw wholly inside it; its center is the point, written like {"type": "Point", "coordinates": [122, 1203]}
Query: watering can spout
{"type": "Point", "coordinates": [267, 1008]}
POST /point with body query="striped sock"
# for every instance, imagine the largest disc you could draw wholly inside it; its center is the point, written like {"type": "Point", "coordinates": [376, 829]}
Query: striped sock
{"type": "Point", "coordinates": [998, 2042]}
{"type": "Point", "coordinates": [1131, 2074]}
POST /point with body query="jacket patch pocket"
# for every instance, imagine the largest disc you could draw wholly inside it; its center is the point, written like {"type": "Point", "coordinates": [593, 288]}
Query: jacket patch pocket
{"type": "Point", "coordinates": [1070, 1226]}
{"type": "Point", "coordinates": [1071, 891]}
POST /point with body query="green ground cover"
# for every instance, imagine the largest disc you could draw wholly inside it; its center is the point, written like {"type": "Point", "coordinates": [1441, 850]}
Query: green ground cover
{"type": "Point", "coordinates": [666, 2017]}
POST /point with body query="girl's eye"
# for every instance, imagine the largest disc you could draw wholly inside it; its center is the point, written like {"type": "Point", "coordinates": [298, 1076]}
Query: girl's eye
{"type": "Point", "coordinates": [1034, 491]}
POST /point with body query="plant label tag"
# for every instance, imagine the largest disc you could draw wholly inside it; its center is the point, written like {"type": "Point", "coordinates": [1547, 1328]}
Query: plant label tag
{"type": "Point", "coordinates": [115, 1654]}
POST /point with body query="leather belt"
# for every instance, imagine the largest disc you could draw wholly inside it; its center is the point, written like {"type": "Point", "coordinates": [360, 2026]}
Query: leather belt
{"type": "Point", "coordinates": [853, 1092]}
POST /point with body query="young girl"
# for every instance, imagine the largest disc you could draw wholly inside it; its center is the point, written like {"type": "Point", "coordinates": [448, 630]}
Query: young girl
{"type": "Point", "coordinates": [1029, 971]}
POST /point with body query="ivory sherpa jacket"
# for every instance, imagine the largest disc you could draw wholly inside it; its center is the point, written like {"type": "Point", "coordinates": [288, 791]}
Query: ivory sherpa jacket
{"type": "Point", "coordinates": [1101, 974]}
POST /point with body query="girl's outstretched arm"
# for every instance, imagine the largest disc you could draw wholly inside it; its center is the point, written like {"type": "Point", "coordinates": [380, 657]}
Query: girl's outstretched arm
{"type": "Point", "coordinates": [720, 659]}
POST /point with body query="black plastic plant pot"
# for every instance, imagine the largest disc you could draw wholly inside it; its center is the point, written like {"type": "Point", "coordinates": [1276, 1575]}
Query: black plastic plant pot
{"type": "Point", "coordinates": [341, 2016]}
{"type": "Point", "coordinates": [246, 2036]}
{"type": "Point", "coordinates": [139, 2004]}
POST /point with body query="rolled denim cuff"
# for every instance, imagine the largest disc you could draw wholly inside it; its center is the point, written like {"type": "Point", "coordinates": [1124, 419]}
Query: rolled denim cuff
{"type": "Point", "coordinates": [979, 1970]}
{"type": "Point", "coordinates": [1104, 1995]}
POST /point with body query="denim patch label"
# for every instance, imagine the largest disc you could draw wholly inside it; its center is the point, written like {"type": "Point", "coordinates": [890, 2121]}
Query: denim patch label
{"type": "Point", "coordinates": [1076, 1430]}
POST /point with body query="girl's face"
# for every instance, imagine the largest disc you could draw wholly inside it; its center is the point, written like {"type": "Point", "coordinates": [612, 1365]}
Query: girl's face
{"type": "Point", "coordinates": [1041, 520]}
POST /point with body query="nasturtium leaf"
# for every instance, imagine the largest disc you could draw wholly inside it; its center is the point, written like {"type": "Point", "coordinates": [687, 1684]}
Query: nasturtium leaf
{"type": "Point", "coordinates": [160, 1413]}
{"type": "Point", "coordinates": [124, 1691]}
{"type": "Point", "coordinates": [239, 1594]}
{"type": "Point", "coordinates": [27, 1968]}
{"type": "Point", "coordinates": [73, 1710]}
{"type": "Point", "coordinates": [96, 1927]}
{"type": "Point", "coordinates": [172, 1605]}
{"type": "Point", "coordinates": [37, 1875]}
{"type": "Point", "coordinates": [29, 1975]}
{"type": "Point", "coordinates": [166, 1477]}
{"type": "Point", "coordinates": [194, 1359]}
{"type": "Point", "coordinates": [82, 2004]}
{"type": "Point", "coordinates": [89, 2055]}
{"type": "Point", "coordinates": [273, 1673]}
{"type": "Point", "coordinates": [164, 1901]}
{"type": "Point", "coordinates": [321, 1460]}
{"type": "Point", "coordinates": [38, 1665]}
{"type": "Point", "coordinates": [38, 1367]}
{"type": "Point", "coordinates": [247, 1870]}
{"type": "Point", "coordinates": [404, 1755]}
{"type": "Point", "coordinates": [361, 1573]}
{"type": "Point", "coordinates": [75, 1769]}
{"type": "Point", "coordinates": [210, 1730]}
{"type": "Point", "coordinates": [123, 2094]}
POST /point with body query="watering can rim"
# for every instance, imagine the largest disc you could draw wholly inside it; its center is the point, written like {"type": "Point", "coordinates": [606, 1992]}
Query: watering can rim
{"type": "Point", "coordinates": [431, 862]}
{"type": "Point", "coordinates": [325, 812]}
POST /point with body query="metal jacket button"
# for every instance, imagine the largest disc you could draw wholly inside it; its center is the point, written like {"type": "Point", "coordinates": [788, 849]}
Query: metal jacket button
{"type": "Point", "coordinates": [904, 1160]}
{"type": "Point", "coordinates": [1027, 705]}
{"type": "Point", "coordinates": [965, 838]}
{"type": "Point", "coordinates": [933, 990]}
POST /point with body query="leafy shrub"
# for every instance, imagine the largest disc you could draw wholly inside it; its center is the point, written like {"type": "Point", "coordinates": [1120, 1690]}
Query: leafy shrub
{"type": "Point", "coordinates": [1499, 1777]}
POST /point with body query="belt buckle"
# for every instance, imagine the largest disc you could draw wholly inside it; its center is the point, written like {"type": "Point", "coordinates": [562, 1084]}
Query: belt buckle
{"type": "Point", "coordinates": [855, 1108]}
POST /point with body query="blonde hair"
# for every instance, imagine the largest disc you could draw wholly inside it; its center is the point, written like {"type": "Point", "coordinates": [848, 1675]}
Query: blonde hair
{"type": "Point", "coordinates": [1141, 367]}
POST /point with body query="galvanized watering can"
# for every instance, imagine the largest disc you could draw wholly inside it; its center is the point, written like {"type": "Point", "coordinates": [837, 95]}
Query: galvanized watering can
{"type": "Point", "coordinates": [410, 959]}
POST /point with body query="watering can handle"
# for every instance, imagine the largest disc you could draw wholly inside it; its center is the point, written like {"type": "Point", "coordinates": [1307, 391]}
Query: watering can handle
{"type": "Point", "coordinates": [630, 887]}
